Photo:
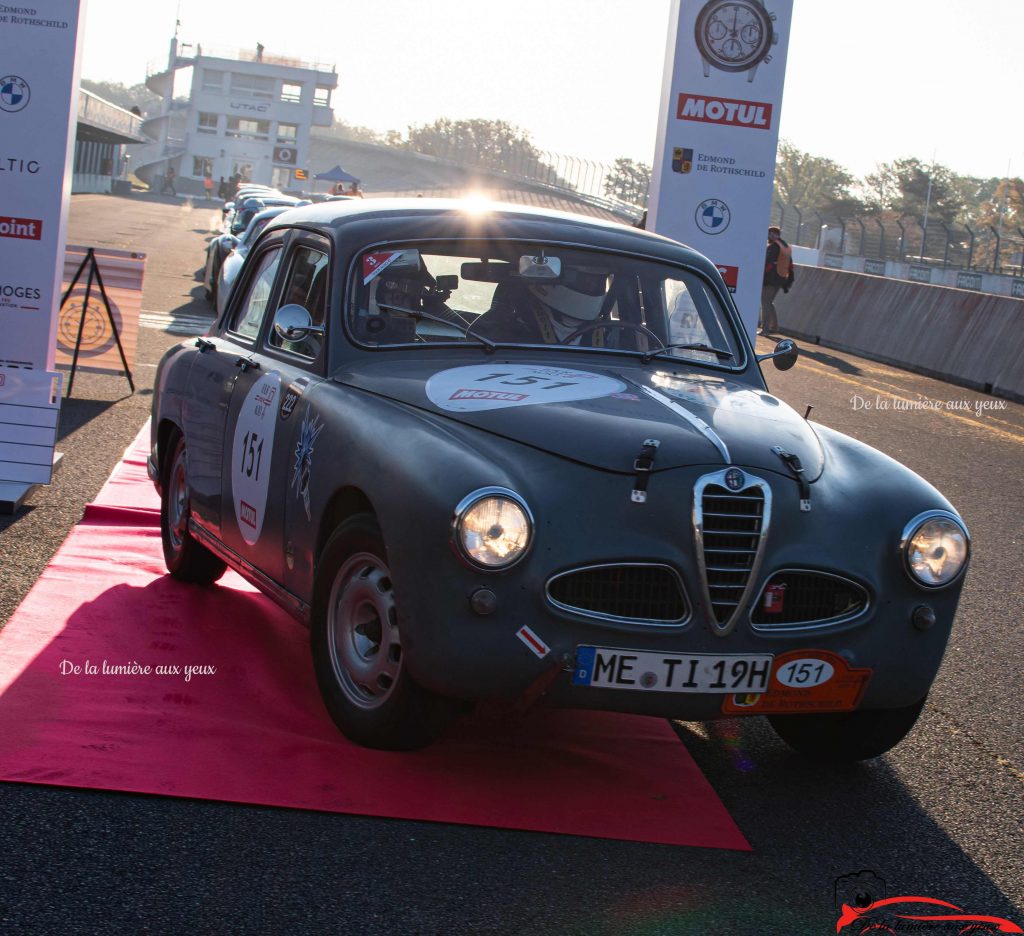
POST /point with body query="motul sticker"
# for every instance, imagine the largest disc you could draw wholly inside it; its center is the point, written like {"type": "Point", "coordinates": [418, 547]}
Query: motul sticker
{"type": "Point", "coordinates": [496, 386]}
{"type": "Point", "coordinates": [804, 681]}
{"type": "Point", "coordinates": [376, 263]}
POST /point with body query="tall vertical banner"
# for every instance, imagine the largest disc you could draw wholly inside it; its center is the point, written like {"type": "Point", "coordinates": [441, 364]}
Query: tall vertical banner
{"type": "Point", "coordinates": [39, 46]}
{"type": "Point", "coordinates": [718, 133]}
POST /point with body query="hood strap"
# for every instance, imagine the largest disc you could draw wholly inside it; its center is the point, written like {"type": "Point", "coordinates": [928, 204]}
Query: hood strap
{"type": "Point", "coordinates": [793, 463]}
{"type": "Point", "coordinates": [643, 465]}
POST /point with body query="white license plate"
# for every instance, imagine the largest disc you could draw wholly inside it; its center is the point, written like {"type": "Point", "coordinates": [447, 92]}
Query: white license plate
{"type": "Point", "coordinates": [614, 668]}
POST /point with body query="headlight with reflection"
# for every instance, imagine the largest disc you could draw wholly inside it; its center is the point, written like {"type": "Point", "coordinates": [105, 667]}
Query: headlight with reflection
{"type": "Point", "coordinates": [936, 546]}
{"type": "Point", "coordinates": [493, 528]}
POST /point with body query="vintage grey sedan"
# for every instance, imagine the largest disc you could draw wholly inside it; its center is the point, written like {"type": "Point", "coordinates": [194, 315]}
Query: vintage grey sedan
{"type": "Point", "coordinates": [505, 454]}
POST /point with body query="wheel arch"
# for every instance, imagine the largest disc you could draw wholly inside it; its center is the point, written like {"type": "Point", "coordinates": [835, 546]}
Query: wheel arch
{"type": "Point", "coordinates": [344, 503]}
{"type": "Point", "coordinates": [166, 431]}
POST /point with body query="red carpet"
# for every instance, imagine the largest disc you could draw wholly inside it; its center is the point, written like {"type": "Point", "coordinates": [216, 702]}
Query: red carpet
{"type": "Point", "coordinates": [255, 731]}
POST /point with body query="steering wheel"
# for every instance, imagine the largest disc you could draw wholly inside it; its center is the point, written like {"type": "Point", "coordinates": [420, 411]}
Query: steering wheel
{"type": "Point", "coordinates": [594, 326]}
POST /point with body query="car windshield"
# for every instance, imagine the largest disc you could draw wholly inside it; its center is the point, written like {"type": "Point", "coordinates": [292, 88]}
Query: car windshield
{"type": "Point", "coordinates": [517, 293]}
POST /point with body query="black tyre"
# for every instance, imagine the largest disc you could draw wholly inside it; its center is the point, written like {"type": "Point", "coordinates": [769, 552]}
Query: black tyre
{"type": "Point", "coordinates": [186, 558]}
{"type": "Point", "coordinates": [846, 736]}
{"type": "Point", "coordinates": [357, 647]}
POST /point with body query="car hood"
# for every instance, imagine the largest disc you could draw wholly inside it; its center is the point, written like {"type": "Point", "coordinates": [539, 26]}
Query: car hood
{"type": "Point", "coordinates": [602, 416]}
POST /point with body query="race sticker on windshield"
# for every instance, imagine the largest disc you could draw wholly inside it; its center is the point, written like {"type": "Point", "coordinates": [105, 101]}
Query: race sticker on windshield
{"type": "Point", "coordinates": [376, 263]}
{"type": "Point", "coordinates": [499, 386]}
{"type": "Point", "coordinates": [252, 450]}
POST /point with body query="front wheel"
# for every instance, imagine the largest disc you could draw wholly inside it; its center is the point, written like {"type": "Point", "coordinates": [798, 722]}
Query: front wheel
{"type": "Point", "coordinates": [357, 647]}
{"type": "Point", "coordinates": [846, 736]}
{"type": "Point", "coordinates": [186, 558]}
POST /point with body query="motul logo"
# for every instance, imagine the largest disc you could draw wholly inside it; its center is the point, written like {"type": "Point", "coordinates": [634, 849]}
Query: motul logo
{"type": "Point", "coordinates": [753, 114]}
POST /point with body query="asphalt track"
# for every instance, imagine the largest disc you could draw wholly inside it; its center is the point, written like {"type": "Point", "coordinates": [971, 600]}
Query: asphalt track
{"type": "Point", "coordinates": [940, 816]}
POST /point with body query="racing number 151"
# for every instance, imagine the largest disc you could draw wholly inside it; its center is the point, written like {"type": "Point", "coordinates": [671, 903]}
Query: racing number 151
{"type": "Point", "coordinates": [526, 381]}
{"type": "Point", "coordinates": [252, 449]}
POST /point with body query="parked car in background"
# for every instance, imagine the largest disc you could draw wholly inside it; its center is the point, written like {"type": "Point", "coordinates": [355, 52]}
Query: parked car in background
{"type": "Point", "coordinates": [506, 454]}
{"type": "Point", "coordinates": [232, 263]}
{"type": "Point", "coordinates": [236, 222]}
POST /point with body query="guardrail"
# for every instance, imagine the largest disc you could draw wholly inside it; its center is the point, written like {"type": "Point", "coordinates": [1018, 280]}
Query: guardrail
{"type": "Point", "coordinates": [94, 110]}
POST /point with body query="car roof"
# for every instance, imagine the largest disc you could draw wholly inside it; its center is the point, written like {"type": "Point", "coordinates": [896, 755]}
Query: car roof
{"type": "Point", "coordinates": [358, 223]}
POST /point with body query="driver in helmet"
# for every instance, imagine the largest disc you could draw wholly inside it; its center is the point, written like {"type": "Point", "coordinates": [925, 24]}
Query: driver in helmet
{"type": "Point", "coordinates": [548, 313]}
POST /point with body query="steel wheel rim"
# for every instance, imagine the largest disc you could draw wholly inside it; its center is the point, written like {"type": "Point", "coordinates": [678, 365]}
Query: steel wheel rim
{"type": "Point", "coordinates": [177, 503]}
{"type": "Point", "coordinates": [363, 639]}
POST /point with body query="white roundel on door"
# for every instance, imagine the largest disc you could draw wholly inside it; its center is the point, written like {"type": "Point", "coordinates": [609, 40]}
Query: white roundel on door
{"type": "Point", "coordinates": [251, 454]}
{"type": "Point", "coordinates": [497, 386]}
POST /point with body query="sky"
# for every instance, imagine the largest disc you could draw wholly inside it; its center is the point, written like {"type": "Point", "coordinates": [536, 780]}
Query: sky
{"type": "Point", "coordinates": [866, 82]}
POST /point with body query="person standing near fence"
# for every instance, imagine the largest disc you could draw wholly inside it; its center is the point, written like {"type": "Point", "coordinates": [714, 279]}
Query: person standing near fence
{"type": "Point", "coordinates": [778, 274]}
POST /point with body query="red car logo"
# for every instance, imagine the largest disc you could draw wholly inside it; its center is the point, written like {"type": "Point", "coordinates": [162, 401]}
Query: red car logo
{"type": "Point", "coordinates": [881, 917]}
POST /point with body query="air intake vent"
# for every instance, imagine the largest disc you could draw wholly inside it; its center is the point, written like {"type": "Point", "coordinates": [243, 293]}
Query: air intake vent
{"type": "Point", "coordinates": [638, 593]}
{"type": "Point", "coordinates": [804, 598]}
{"type": "Point", "coordinates": [731, 526]}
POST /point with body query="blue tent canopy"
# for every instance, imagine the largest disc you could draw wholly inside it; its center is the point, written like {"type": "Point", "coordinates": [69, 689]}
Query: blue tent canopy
{"type": "Point", "coordinates": [337, 174]}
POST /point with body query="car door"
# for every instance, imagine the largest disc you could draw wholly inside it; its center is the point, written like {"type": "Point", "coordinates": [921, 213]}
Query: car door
{"type": "Point", "coordinates": [224, 356]}
{"type": "Point", "coordinates": [265, 430]}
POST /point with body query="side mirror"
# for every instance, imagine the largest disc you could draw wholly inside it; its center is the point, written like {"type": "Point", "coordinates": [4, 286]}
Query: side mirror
{"type": "Point", "coordinates": [293, 323]}
{"type": "Point", "coordinates": [784, 356]}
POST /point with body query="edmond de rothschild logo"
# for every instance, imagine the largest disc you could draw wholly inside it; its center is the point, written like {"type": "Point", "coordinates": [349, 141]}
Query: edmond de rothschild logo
{"type": "Point", "coordinates": [756, 115]}
{"type": "Point", "coordinates": [21, 228]}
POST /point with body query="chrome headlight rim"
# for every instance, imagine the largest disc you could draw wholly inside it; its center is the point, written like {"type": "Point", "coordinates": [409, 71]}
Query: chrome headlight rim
{"type": "Point", "coordinates": [469, 501]}
{"type": "Point", "coordinates": [910, 531]}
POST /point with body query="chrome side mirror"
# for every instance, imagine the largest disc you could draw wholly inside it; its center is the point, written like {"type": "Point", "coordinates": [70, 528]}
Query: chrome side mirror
{"type": "Point", "coordinates": [292, 322]}
{"type": "Point", "coordinates": [784, 356]}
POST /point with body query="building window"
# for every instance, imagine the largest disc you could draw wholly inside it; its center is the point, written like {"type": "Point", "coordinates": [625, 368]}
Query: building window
{"type": "Point", "coordinates": [202, 166]}
{"type": "Point", "coordinates": [243, 128]}
{"type": "Point", "coordinates": [213, 80]}
{"type": "Point", "coordinates": [322, 97]}
{"type": "Point", "coordinates": [287, 133]}
{"type": "Point", "coordinates": [207, 122]}
{"type": "Point", "coordinates": [255, 86]}
{"type": "Point", "coordinates": [291, 93]}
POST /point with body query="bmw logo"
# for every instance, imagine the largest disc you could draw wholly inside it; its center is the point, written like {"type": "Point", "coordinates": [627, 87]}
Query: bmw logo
{"type": "Point", "coordinates": [712, 216]}
{"type": "Point", "coordinates": [14, 94]}
{"type": "Point", "coordinates": [734, 479]}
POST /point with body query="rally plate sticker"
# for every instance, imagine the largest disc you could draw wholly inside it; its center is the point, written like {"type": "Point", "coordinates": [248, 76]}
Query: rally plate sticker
{"type": "Point", "coordinates": [804, 681]}
{"type": "Point", "coordinates": [612, 668]}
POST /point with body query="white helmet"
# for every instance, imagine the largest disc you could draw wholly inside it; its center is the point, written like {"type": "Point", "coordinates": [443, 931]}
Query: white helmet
{"type": "Point", "coordinates": [580, 293]}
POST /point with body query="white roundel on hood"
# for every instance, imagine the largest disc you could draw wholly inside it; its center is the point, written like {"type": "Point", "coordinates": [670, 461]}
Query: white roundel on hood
{"type": "Point", "coordinates": [498, 386]}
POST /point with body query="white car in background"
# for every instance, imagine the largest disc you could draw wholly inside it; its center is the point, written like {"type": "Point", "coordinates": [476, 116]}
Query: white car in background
{"type": "Point", "coordinates": [232, 263]}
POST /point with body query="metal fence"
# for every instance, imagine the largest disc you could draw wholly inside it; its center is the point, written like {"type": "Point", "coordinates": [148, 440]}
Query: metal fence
{"type": "Point", "coordinates": [906, 239]}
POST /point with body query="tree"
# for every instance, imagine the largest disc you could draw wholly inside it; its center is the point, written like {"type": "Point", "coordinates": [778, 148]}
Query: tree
{"type": "Point", "coordinates": [124, 96]}
{"type": "Point", "coordinates": [813, 183]}
{"type": "Point", "coordinates": [490, 144]}
{"type": "Point", "coordinates": [628, 181]}
{"type": "Point", "coordinates": [907, 186]}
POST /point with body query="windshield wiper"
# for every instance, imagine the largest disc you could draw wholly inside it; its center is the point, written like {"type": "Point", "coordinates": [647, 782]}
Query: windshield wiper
{"type": "Point", "coordinates": [466, 330]}
{"type": "Point", "coordinates": [649, 355]}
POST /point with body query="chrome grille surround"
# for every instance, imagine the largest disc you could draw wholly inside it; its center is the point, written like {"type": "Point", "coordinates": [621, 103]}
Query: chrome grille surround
{"type": "Point", "coordinates": [729, 554]}
{"type": "Point", "coordinates": [623, 619]}
{"type": "Point", "coordinates": [769, 627]}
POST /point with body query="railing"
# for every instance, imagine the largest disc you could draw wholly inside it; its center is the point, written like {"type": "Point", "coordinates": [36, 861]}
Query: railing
{"type": "Point", "coordinates": [94, 110]}
{"type": "Point", "coordinates": [187, 53]}
{"type": "Point", "coordinates": [905, 239]}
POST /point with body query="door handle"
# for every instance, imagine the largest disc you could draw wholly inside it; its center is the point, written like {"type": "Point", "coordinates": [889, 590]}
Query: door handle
{"type": "Point", "coordinates": [203, 345]}
{"type": "Point", "coordinates": [246, 363]}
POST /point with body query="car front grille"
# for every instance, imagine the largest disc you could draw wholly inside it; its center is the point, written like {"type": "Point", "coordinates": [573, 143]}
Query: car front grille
{"type": "Point", "coordinates": [805, 598]}
{"type": "Point", "coordinates": [639, 593]}
{"type": "Point", "coordinates": [730, 528]}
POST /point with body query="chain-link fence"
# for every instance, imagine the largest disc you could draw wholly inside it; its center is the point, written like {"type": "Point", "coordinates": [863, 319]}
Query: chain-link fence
{"type": "Point", "coordinates": [906, 239]}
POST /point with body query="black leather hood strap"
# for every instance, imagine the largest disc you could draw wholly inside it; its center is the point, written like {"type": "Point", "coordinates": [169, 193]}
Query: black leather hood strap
{"type": "Point", "coordinates": [643, 464]}
{"type": "Point", "coordinates": [793, 463]}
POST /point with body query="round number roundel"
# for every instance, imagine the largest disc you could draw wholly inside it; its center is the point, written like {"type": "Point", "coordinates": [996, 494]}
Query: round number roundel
{"type": "Point", "coordinates": [251, 454]}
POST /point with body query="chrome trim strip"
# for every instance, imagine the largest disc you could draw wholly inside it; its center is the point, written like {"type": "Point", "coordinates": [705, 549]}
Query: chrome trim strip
{"type": "Point", "coordinates": [281, 596]}
{"type": "Point", "coordinates": [820, 622]}
{"type": "Point", "coordinates": [911, 528]}
{"type": "Point", "coordinates": [702, 427]}
{"type": "Point", "coordinates": [751, 481]}
{"type": "Point", "coordinates": [468, 501]}
{"type": "Point", "coordinates": [615, 619]}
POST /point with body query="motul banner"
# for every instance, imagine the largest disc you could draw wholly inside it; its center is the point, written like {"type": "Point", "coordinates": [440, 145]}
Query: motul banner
{"type": "Point", "coordinates": [718, 132]}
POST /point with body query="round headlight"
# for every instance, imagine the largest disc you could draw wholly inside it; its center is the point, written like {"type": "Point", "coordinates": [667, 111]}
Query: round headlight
{"type": "Point", "coordinates": [936, 547]}
{"type": "Point", "coordinates": [493, 528]}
